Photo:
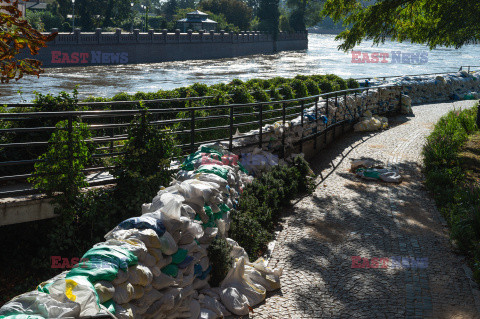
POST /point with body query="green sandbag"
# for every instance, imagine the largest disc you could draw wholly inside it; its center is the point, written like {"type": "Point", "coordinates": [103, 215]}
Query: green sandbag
{"type": "Point", "coordinates": [112, 254]}
{"type": "Point", "coordinates": [188, 163]}
{"type": "Point", "coordinates": [110, 305]}
{"type": "Point", "coordinates": [213, 169]}
{"type": "Point", "coordinates": [224, 208]}
{"type": "Point", "coordinates": [95, 270]}
{"type": "Point", "coordinates": [179, 256]}
{"type": "Point", "coordinates": [171, 270]}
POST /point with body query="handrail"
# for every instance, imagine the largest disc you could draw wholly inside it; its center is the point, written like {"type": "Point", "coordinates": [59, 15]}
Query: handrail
{"type": "Point", "coordinates": [231, 117]}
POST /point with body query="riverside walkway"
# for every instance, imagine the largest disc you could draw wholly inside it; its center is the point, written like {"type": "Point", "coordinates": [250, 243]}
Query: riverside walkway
{"type": "Point", "coordinates": [346, 217]}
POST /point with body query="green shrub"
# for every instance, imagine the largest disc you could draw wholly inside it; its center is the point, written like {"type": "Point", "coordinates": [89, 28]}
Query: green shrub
{"type": "Point", "coordinates": [286, 91]}
{"type": "Point", "coordinates": [352, 83]}
{"type": "Point", "coordinates": [458, 201]}
{"type": "Point", "coordinates": [144, 166]}
{"type": "Point", "coordinates": [249, 234]}
{"type": "Point", "coordinates": [312, 87]}
{"type": "Point", "coordinates": [220, 260]}
{"type": "Point", "coordinates": [299, 88]}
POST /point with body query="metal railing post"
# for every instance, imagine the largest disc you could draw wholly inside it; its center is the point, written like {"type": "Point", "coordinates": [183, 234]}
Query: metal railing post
{"type": "Point", "coordinates": [260, 127]}
{"type": "Point", "coordinates": [326, 124]}
{"type": "Point", "coordinates": [356, 109]}
{"type": "Point", "coordinates": [302, 108]}
{"type": "Point", "coordinates": [345, 114]}
{"type": "Point", "coordinates": [283, 130]}
{"type": "Point", "coordinates": [400, 99]}
{"type": "Point", "coordinates": [316, 124]}
{"type": "Point", "coordinates": [70, 152]}
{"type": "Point", "coordinates": [230, 142]}
{"type": "Point", "coordinates": [192, 130]}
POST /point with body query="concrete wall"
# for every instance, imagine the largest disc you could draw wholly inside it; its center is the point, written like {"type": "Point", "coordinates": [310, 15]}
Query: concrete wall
{"type": "Point", "coordinates": [82, 49]}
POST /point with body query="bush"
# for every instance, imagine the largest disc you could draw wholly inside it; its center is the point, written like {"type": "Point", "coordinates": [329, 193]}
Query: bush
{"type": "Point", "coordinates": [458, 200]}
{"type": "Point", "coordinates": [220, 259]}
{"type": "Point", "coordinates": [352, 83]}
{"type": "Point", "coordinates": [262, 202]}
{"type": "Point", "coordinates": [312, 87]}
{"type": "Point", "coordinates": [299, 88]}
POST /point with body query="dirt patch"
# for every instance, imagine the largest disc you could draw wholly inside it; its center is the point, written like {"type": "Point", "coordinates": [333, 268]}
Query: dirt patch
{"type": "Point", "coordinates": [328, 231]}
{"type": "Point", "coordinates": [470, 158]}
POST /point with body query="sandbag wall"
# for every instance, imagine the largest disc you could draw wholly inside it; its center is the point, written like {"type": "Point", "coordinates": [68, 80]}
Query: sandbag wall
{"type": "Point", "coordinates": [420, 89]}
{"type": "Point", "coordinates": [156, 265]}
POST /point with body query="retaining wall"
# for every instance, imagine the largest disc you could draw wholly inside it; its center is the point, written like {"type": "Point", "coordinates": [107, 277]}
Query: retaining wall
{"type": "Point", "coordinates": [98, 48]}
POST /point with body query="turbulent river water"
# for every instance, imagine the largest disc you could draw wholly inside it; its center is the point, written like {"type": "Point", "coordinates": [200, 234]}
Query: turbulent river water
{"type": "Point", "coordinates": [321, 57]}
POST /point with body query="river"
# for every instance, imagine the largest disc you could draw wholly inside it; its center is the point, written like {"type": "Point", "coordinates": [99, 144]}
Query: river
{"type": "Point", "coordinates": [321, 57]}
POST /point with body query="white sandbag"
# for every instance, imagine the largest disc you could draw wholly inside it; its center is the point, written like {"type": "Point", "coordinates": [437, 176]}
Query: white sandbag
{"type": "Point", "coordinates": [162, 281]}
{"type": "Point", "coordinates": [122, 313]}
{"type": "Point", "coordinates": [260, 274]}
{"type": "Point", "coordinates": [207, 302]}
{"type": "Point", "coordinates": [235, 301]}
{"type": "Point", "coordinates": [42, 304]}
{"type": "Point", "coordinates": [207, 314]}
{"type": "Point", "coordinates": [122, 276]}
{"type": "Point", "coordinates": [139, 275]}
{"type": "Point", "coordinates": [155, 271]}
{"type": "Point", "coordinates": [123, 293]}
{"type": "Point", "coordinates": [77, 289]}
{"type": "Point", "coordinates": [138, 292]}
{"type": "Point", "coordinates": [148, 260]}
{"type": "Point", "coordinates": [147, 300]}
{"type": "Point", "coordinates": [201, 284]}
{"type": "Point", "coordinates": [209, 235]}
{"type": "Point", "coordinates": [105, 290]}
{"type": "Point", "coordinates": [168, 246]}
{"type": "Point", "coordinates": [148, 287]}
{"type": "Point", "coordinates": [236, 278]}
{"type": "Point", "coordinates": [148, 236]}
{"type": "Point", "coordinates": [156, 253]}
{"type": "Point", "coordinates": [194, 309]}
{"type": "Point", "coordinates": [187, 211]}
{"type": "Point", "coordinates": [133, 245]}
{"type": "Point", "coordinates": [237, 250]}
{"type": "Point", "coordinates": [167, 260]}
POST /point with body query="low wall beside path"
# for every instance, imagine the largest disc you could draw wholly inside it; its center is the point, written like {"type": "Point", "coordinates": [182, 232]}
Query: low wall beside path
{"type": "Point", "coordinates": [102, 48]}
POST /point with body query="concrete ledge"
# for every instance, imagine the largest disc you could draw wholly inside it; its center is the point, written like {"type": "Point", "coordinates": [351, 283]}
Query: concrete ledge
{"type": "Point", "coordinates": [24, 209]}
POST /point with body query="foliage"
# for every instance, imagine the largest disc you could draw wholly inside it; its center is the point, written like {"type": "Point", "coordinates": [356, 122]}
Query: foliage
{"type": "Point", "coordinates": [299, 88]}
{"type": "Point", "coordinates": [284, 24]}
{"type": "Point", "coordinates": [435, 23]}
{"type": "Point", "coordinates": [304, 13]}
{"type": "Point", "coordinates": [17, 37]}
{"type": "Point", "coordinates": [144, 166]}
{"type": "Point", "coordinates": [220, 259]}
{"type": "Point", "coordinates": [45, 20]}
{"type": "Point", "coordinates": [458, 199]}
{"type": "Point", "coordinates": [262, 202]}
{"type": "Point", "coordinates": [269, 16]}
{"type": "Point", "coordinates": [352, 83]}
{"type": "Point", "coordinates": [235, 12]}
{"type": "Point", "coordinates": [60, 168]}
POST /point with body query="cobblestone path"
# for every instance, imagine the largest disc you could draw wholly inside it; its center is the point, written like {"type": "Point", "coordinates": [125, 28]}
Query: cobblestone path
{"type": "Point", "coordinates": [348, 217]}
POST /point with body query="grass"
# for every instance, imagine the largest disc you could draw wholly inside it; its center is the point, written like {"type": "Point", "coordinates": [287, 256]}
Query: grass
{"type": "Point", "coordinates": [452, 169]}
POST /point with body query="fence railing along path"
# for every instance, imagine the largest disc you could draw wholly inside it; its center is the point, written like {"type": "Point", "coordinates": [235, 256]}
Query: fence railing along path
{"type": "Point", "coordinates": [191, 125]}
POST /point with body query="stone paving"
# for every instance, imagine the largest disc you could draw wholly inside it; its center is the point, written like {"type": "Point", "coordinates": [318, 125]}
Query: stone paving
{"type": "Point", "coordinates": [348, 217]}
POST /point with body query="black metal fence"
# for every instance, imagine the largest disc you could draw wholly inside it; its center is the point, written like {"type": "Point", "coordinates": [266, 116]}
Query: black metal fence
{"type": "Point", "coordinates": [191, 126]}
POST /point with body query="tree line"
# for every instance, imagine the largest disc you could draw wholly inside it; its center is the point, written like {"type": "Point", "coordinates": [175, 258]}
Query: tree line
{"type": "Point", "coordinates": [231, 15]}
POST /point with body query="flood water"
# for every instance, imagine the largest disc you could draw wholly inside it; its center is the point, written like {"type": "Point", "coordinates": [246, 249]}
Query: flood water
{"type": "Point", "coordinates": [321, 57]}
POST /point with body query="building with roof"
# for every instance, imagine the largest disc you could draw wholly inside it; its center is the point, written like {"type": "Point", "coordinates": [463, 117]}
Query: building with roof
{"type": "Point", "coordinates": [196, 21]}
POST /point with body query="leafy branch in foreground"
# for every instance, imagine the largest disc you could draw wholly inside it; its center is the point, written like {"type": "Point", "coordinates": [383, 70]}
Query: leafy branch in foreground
{"type": "Point", "coordinates": [451, 23]}
{"type": "Point", "coordinates": [16, 36]}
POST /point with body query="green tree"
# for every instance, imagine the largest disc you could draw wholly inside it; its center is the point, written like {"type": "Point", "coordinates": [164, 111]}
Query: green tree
{"type": "Point", "coordinates": [451, 23]}
{"type": "Point", "coordinates": [235, 11]}
{"type": "Point", "coordinates": [269, 15]}
{"type": "Point", "coordinates": [304, 13]}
